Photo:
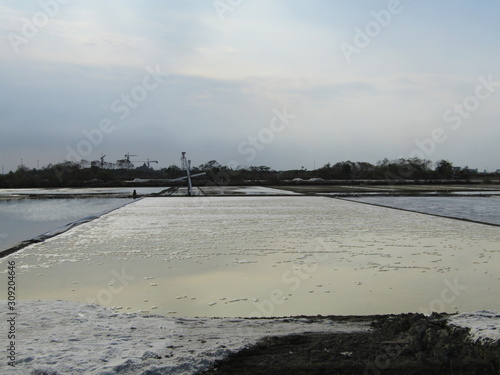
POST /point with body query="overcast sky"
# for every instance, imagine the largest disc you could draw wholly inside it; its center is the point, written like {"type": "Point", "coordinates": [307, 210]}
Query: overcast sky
{"type": "Point", "coordinates": [282, 83]}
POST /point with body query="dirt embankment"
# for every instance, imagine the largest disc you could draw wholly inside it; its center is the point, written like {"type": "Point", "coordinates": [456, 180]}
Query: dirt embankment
{"type": "Point", "coordinates": [400, 344]}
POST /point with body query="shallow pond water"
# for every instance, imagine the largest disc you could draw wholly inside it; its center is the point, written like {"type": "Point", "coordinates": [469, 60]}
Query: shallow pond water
{"type": "Point", "coordinates": [483, 209]}
{"type": "Point", "coordinates": [24, 219]}
{"type": "Point", "coordinates": [266, 256]}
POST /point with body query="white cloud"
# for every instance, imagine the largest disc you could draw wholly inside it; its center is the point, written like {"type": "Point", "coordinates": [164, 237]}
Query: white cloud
{"type": "Point", "coordinates": [228, 76]}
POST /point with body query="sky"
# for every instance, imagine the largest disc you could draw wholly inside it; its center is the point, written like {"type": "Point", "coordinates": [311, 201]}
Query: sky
{"type": "Point", "coordinates": [283, 83]}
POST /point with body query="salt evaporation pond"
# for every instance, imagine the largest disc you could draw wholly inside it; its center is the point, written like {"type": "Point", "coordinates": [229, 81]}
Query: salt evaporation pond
{"type": "Point", "coordinates": [483, 209]}
{"type": "Point", "coordinates": [79, 191]}
{"type": "Point", "coordinates": [266, 256]}
{"type": "Point", "coordinates": [24, 219]}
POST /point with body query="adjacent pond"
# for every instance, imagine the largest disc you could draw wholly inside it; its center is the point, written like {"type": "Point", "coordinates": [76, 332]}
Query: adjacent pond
{"type": "Point", "coordinates": [483, 209]}
{"type": "Point", "coordinates": [23, 219]}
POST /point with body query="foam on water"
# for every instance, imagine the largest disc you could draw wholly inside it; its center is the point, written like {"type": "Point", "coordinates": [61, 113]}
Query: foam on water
{"type": "Point", "coordinates": [254, 256]}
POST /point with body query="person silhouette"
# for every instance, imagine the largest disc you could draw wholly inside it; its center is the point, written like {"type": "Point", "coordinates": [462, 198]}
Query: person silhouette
{"type": "Point", "coordinates": [134, 194]}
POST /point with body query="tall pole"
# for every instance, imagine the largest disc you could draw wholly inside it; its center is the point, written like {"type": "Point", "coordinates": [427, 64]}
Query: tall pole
{"type": "Point", "coordinates": [186, 164]}
{"type": "Point", "coordinates": [190, 185]}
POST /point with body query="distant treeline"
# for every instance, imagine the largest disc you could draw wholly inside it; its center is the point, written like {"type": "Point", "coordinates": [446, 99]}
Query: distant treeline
{"type": "Point", "coordinates": [85, 174]}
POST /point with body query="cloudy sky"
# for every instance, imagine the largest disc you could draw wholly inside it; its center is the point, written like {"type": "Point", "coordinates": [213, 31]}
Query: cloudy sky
{"type": "Point", "coordinates": [282, 83]}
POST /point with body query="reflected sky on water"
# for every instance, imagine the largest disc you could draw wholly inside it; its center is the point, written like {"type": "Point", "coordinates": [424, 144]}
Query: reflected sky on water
{"type": "Point", "coordinates": [483, 209]}
{"type": "Point", "coordinates": [267, 256]}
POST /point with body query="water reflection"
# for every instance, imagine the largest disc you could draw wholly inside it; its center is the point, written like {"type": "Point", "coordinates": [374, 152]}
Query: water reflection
{"type": "Point", "coordinates": [24, 219]}
{"type": "Point", "coordinates": [483, 209]}
{"type": "Point", "coordinates": [273, 256]}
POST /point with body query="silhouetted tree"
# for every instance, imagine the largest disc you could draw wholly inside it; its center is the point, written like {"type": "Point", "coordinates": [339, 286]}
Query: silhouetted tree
{"type": "Point", "coordinates": [444, 169]}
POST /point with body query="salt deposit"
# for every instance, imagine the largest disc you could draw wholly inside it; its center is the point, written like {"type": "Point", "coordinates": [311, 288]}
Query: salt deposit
{"type": "Point", "coordinates": [238, 257]}
{"type": "Point", "coordinates": [70, 338]}
{"type": "Point", "coordinates": [61, 337]}
{"type": "Point", "coordinates": [484, 326]}
{"type": "Point", "coordinates": [273, 250]}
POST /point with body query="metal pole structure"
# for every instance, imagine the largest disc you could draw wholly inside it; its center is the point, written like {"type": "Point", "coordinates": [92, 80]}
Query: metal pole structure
{"type": "Point", "coordinates": [190, 185]}
{"type": "Point", "coordinates": [186, 164]}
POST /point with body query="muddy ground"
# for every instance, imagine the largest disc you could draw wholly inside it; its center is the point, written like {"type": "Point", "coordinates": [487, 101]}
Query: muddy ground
{"type": "Point", "coordinates": [398, 344]}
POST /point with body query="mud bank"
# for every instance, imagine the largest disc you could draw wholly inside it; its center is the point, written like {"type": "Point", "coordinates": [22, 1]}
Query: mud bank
{"type": "Point", "coordinates": [60, 337]}
{"type": "Point", "coordinates": [397, 344]}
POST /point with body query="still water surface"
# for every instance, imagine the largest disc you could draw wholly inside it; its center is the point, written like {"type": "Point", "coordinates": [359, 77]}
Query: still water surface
{"type": "Point", "coordinates": [483, 209]}
{"type": "Point", "coordinates": [24, 219]}
{"type": "Point", "coordinates": [271, 256]}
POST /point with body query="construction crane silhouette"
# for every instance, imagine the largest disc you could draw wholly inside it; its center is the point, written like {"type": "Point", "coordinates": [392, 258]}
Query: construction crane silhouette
{"type": "Point", "coordinates": [102, 160]}
{"type": "Point", "coordinates": [127, 157]}
{"type": "Point", "coordinates": [130, 162]}
{"type": "Point", "coordinates": [145, 161]}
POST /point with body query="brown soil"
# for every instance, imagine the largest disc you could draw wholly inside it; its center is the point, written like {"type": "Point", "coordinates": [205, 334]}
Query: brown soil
{"type": "Point", "coordinates": [398, 344]}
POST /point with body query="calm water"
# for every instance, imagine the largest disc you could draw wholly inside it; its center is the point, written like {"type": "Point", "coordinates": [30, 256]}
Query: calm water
{"type": "Point", "coordinates": [80, 191]}
{"type": "Point", "coordinates": [266, 256]}
{"type": "Point", "coordinates": [483, 209]}
{"type": "Point", "coordinates": [23, 219]}
{"type": "Point", "coordinates": [27, 218]}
